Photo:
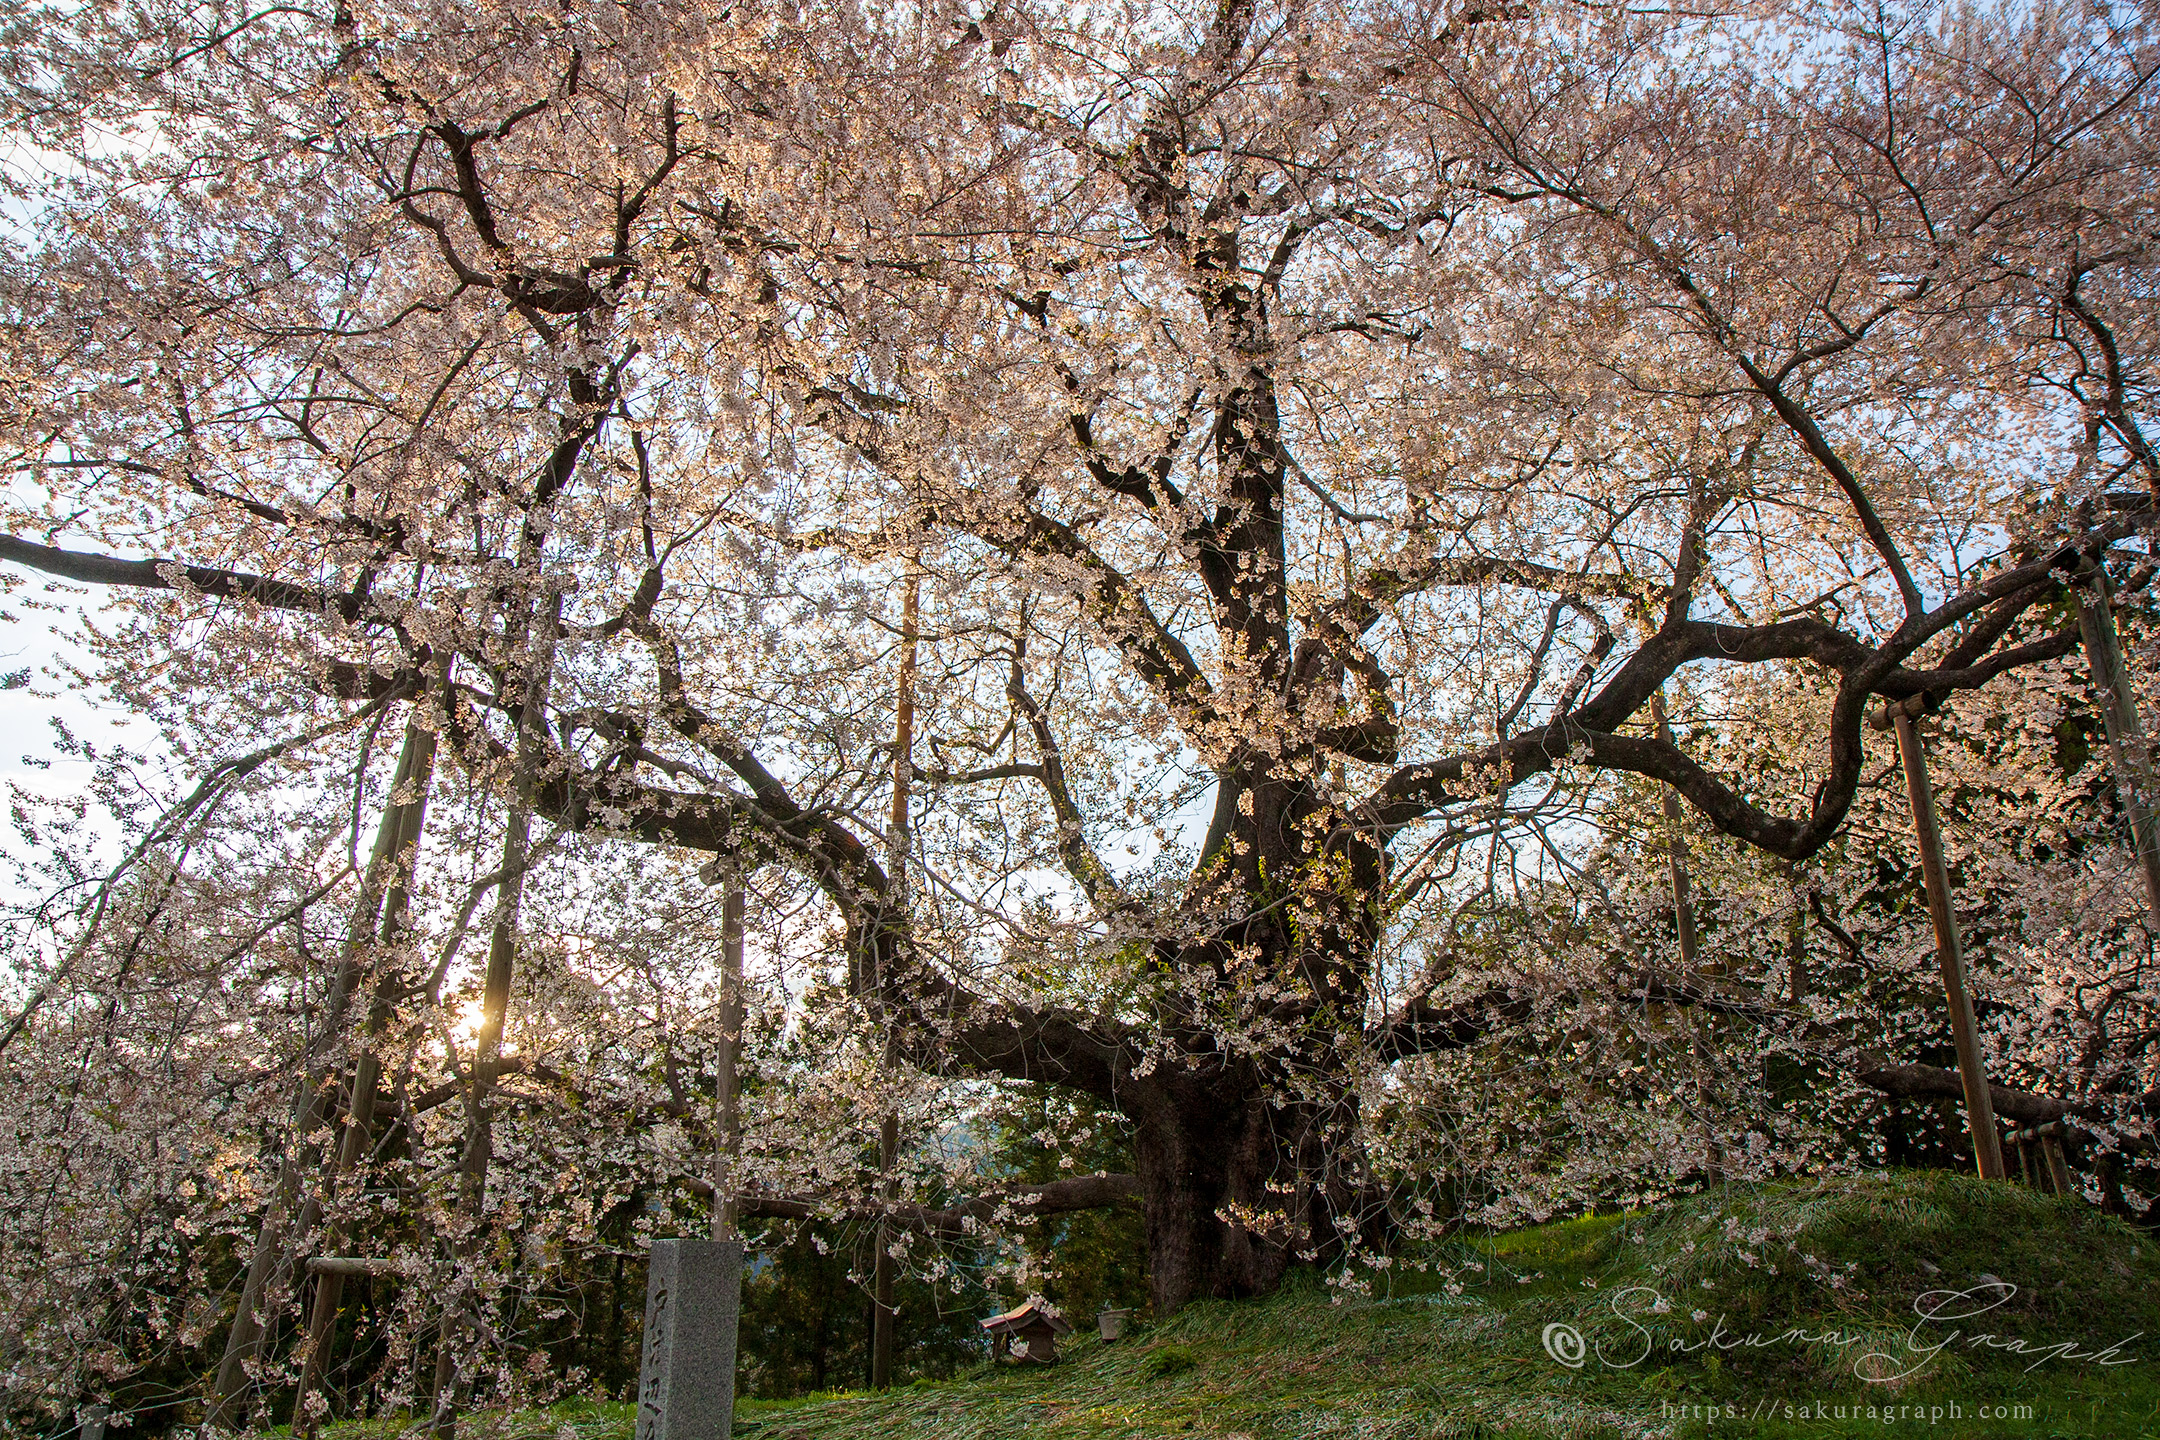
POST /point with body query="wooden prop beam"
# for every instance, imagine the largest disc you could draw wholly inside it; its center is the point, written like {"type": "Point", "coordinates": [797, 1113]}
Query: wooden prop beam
{"type": "Point", "coordinates": [1949, 948]}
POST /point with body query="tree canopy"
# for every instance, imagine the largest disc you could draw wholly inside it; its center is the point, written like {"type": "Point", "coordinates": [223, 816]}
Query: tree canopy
{"type": "Point", "coordinates": [1354, 459]}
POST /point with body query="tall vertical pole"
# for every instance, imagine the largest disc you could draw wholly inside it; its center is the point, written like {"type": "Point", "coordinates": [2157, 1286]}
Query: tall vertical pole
{"type": "Point", "coordinates": [286, 1219]}
{"type": "Point", "coordinates": [535, 673]}
{"type": "Point", "coordinates": [727, 1105]}
{"type": "Point", "coordinates": [2125, 733]}
{"type": "Point", "coordinates": [1795, 937]}
{"type": "Point", "coordinates": [366, 1076]}
{"type": "Point", "coordinates": [1949, 949]}
{"type": "Point", "coordinates": [882, 1276]}
{"type": "Point", "coordinates": [693, 1288]}
{"type": "Point", "coordinates": [2051, 1151]}
{"type": "Point", "coordinates": [1683, 898]}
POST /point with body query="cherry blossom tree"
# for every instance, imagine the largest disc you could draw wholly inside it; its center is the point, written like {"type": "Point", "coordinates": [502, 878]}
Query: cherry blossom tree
{"type": "Point", "coordinates": [1334, 421]}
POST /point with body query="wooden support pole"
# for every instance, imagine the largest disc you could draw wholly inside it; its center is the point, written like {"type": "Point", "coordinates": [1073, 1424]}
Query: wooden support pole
{"type": "Point", "coordinates": [693, 1289]}
{"type": "Point", "coordinates": [364, 1265]}
{"type": "Point", "coordinates": [882, 1275]}
{"type": "Point", "coordinates": [2051, 1151]}
{"type": "Point", "coordinates": [534, 675]}
{"type": "Point", "coordinates": [366, 1077]}
{"type": "Point", "coordinates": [1683, 898]}
{"type": "Point", "coordinates": [1949, 949]}
{"type": "Point", "coordinates": [287, 1219]}
{"type": "Point", "coordinates": [2045, 1144]}
{"type": "Point", "coordinates": [2125, 733]}
{"type": "Point", "coordinates": [727, 1103]}
{"type": "Point", "coordinates": [1796, 939]}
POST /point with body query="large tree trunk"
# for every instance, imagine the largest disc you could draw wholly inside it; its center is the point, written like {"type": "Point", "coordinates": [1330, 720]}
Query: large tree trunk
{"type": "Point", "coordinates": [1246, 1169]}
{"type": "Point", "coordinates": [1201, 1169]}
{"type": "Point", "coordinates": [1232, 1187]}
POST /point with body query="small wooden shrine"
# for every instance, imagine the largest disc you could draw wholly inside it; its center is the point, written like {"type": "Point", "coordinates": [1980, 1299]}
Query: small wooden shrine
{"type": "Point", "coordinates": [1036, 1330]}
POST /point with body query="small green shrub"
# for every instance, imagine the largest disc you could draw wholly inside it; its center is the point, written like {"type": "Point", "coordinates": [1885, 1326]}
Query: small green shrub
{"type": "Point", "coordinates": [1167, 1360]}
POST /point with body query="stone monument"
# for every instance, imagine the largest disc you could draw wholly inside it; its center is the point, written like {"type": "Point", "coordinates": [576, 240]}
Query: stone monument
{"type": "Point", "coordinates": [693, 1298]}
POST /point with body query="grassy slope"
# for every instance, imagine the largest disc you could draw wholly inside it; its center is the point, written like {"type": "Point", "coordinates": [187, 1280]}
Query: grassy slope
{"type": "Point", "coordinates": [1416, 1360]}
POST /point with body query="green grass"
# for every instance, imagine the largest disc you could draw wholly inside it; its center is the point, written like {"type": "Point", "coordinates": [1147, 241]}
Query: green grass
{"type": "Point", "coordinates": [1457, 1350]}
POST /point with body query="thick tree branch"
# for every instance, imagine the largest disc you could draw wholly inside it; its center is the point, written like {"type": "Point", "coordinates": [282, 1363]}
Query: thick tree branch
{"type": "Point", "coordinates": [160, 574]}
{"type": "Point", "coordinates": [1420, 1028]}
